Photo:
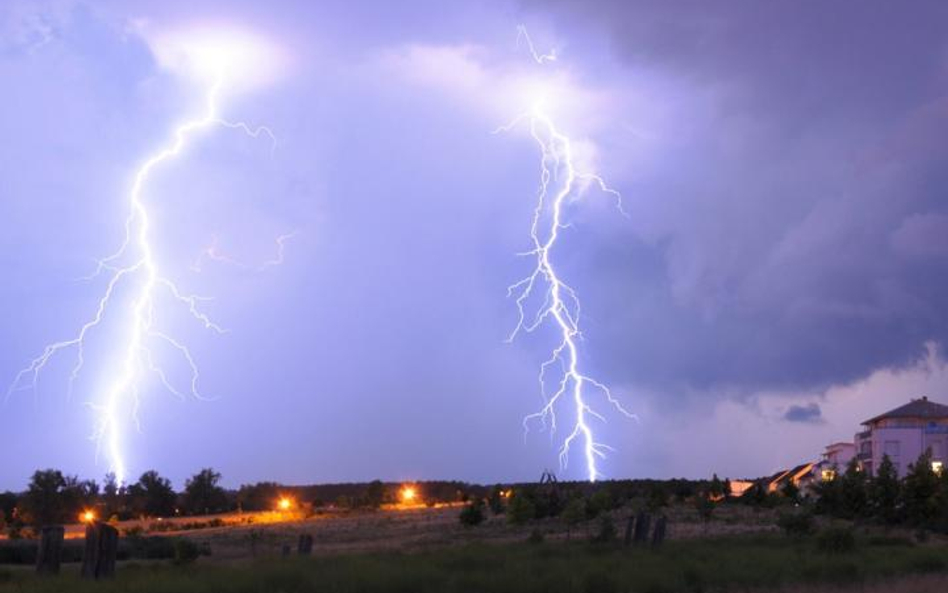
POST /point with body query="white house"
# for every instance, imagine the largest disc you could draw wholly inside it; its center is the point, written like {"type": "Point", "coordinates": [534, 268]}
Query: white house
{"type": "Point", "coordinates": [903, 434]}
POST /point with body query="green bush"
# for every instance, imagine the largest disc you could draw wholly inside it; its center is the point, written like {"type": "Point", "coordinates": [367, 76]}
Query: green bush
{"type": "Point", "coordinates": [607, 530]}
{"type": "Point", "coordinates": [472, 514]}
{"type": "Point", "coordinates": [836, 540]}
{"type": "Point", "coordinates": [185, 551]}
{"type": "Point", "coordinates": [795, 524]}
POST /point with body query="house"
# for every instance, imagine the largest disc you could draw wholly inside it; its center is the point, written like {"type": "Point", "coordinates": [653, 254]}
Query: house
{"type": "Point", "coordinates": [903, 434]}
{"type": "Point", "coordinates": [835, 459]}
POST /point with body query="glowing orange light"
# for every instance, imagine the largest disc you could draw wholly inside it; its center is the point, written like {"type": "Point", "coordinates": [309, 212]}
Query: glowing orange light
{"type": "Point", "coordinates": [87, 516]}
{"type": "Point", "coordinates": [408, 494]}
{"type": "Point", "coordinates": [285, 504]}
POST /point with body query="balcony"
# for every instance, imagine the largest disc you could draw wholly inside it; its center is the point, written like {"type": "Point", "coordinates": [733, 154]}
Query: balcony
{"type": "Point", "coordinates": [867, 456]}
{"type": "Point", "coordinates": [864, 435]}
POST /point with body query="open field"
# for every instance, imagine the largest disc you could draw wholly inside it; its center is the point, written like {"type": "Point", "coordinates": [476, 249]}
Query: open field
{"type": "Point", "coordinates": [426, 549]}
{"type": "Point", "coordinates": [738, 563]}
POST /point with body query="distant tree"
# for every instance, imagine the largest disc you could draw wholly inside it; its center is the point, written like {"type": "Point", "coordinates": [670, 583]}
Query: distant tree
{"type": "Point", "coordinates": [885, 492]}
{"type": "Point", "coordinates": [495, 500]}
{"type": "Point", "coordinates": [853, 497]}
{"type": "Point", "coordinates": [573, 514]}
{"type": "Point", "coordinates": [921, 492]}
{"type": "Point", "coordinates": [520, 509]}
{"type": "Point", "coordinates": [705, 506]}
{"type": "Point", "coordinates": [8, 502]}
{"type": "Point", "coordinates": [375, 494]}
{"type": "Point", "coordinates": [473, 513]}
{"type": "Point", "coordinates": [829, 499]}
{"type": "Point", "coordinates": [791, 491]}
{"type": "Point", "coordinates": [657, 497]}
{"type": "Point", "coordinates": [727, 488]}
{"type": "Point", "coordinates": [152, 495]}
{"type": "Point", "coordinates": [45, 500]}
{"type": "Point", "coordinates": [258, 497]}
{"type": "Point", "coordinates": [203, 494]}
{"type": "Point", "coordinates": [599, 502]}
{"type": "Point", "coordinates": [716, 487]}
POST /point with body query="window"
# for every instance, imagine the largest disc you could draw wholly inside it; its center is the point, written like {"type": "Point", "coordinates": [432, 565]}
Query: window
{"type": "Point", "coordinates": [937, 467]}
{"type": "Point", "coordinates": [891, 448]}
{"type": "Point", "coordinates": [828, 475]}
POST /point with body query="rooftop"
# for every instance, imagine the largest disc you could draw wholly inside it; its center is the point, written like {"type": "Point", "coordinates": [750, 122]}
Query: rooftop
{"type": "Point", "coordinates": [917, 408]}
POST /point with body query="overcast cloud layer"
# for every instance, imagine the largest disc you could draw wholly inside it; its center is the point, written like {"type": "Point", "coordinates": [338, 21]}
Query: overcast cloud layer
{"type": "Point", "coordinates": [781, 274]}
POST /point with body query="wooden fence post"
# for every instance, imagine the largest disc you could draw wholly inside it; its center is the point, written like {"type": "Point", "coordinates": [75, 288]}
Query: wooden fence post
{"type": "Point", "coordinates": [642, 524]}
{"type": "Point", "coordinates": [627, 540]}
{"type": "Point", "coordinates": [305, 546]}
{"type": "Point", "coordinates": [50, 552]}
{"type": "Point", "coordinates": [98, 559]}
{"type": "Point", "coordinates": [659, 535]}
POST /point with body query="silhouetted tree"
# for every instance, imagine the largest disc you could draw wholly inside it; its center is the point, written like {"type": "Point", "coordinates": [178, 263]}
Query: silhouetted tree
{"type": "Point", "coordinates": [258, 497]}
{"type": "Point", "coordinates": [520, 509]}
{"type": "Point", "coordinates": [716, 487]}
{"type": "Point", "coordinates": [203, 495]}
{"type": "Point", "coordinates": [375, 494]}
{"type": "Point", "coordinates": [885, 492]}
{"type": "Point", "coordinates": [920, 492]}
{"type": "Point", "coordinates": [853, 498]}
{"type": "Point", "coordinates": [45, 500]}
{"type": "Point", "coordinates": [152, 495]}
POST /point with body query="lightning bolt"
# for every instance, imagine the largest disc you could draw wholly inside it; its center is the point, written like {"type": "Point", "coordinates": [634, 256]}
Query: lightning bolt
{"type": "Point", "coordinates": [135, 264]}
{"type": "Point", "coordinates": [213, 252]}
{"type": "Point", "coordinates": [560, 181]}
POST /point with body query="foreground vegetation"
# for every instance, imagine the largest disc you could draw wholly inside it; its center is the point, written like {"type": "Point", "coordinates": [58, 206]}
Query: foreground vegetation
{"type": "Point", "coordinates": [718, 564]}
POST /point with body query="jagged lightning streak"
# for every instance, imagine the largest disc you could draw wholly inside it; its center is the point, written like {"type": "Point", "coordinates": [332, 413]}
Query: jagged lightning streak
{"type": "Point", "coordinates": [135, 259]}
{"type": "Point", "coordinates": [559, 181]}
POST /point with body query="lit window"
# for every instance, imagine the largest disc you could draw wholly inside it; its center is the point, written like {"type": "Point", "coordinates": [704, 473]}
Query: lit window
{"type": "Point", "coordinates": [828, 475]}
{"type": "Point", "coordinates": [936, 467]}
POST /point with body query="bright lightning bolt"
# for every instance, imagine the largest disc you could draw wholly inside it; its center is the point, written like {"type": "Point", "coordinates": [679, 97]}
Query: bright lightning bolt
{"type": "Point", "coordinates": [559, 181]}
{"type": "Point", "coordinates": [135, 260]}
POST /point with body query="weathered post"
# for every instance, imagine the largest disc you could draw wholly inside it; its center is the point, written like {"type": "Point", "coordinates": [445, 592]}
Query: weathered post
{"type": "Point", "coordinates": [627, 540]}
{"type": "Point", "coordinates": [659, 535]}
{"type": "Point", "coordinates": [642, 523]}
{"type": "Point", "coordinates": [50, 552]}
{"type": "Point", "coordinates": [98, 559]}
{"type": "Point", "coordinates": [305, 545]}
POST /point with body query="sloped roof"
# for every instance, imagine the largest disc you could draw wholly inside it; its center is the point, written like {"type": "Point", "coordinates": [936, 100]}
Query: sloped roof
{"type": "Point", "coordinates": [917, 408]}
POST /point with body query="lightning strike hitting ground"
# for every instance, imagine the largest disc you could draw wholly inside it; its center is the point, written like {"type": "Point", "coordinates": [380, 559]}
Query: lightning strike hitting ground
{"type": "Point", "coordinates": [559, 181]}
{"type": "Point", "coordinates": [135, 262]}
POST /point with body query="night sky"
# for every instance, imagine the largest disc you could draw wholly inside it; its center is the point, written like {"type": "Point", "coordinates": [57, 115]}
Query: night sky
{"type": "Point", "coordinates": [781, 275]}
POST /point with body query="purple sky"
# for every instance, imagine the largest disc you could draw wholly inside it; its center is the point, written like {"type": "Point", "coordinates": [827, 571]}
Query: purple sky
{"type": "Point", "coordinates": [781, 275]}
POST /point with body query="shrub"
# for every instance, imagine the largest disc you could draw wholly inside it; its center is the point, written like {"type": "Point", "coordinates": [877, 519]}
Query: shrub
{"type": "Point", "coordinates": [520, 510]}
{"type": "Point", "coordinates": [795, 524]}
{"type": "Point", "coordinates": [607, 530]}
{"type": "Point", "coordinates": [185, 551]}
{"type": "Point", "coordinates": [473, 513]}
{"type": "Point", "coordinates": [836, 540]}
{"type": "Point", "coordinates": [535, 537]}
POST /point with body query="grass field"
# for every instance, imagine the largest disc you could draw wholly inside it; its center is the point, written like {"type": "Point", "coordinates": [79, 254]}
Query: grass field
{"type": "Point", "coordinates": [737, 563]}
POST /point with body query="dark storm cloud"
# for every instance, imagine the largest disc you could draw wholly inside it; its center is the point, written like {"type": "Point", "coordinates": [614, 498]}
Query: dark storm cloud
{"type": "Point", "coordinates": [809, 413]}
{"type": "Point", "coordinates": [796, 226]}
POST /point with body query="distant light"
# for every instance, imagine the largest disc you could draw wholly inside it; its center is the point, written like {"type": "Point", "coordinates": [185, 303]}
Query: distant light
{"type": "Point", "coordinates": [285, 504]}
{"type": "Point", "coordinates": [87, 516]}
{"type": "Point", "coordinates": [408, 494]}
{"type": "Point", "coordinates": [937, 467]}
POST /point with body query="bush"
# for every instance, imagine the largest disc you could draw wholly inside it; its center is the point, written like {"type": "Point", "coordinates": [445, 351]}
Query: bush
{"type": "Point", "coordinates": [836, 540]}
{"type": "Point", "coordinates": [535, 537]}
{"type": "Point", "coordinates": [520, 509]}
{"type": "Point", "coordinates": [795, 524]}
{"type": "Point", "coordinates": [185, 551]}
{"type": "Point", "coordinates": [607, 530]}
{"type": "Point", "coordinates": [472, 514]}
